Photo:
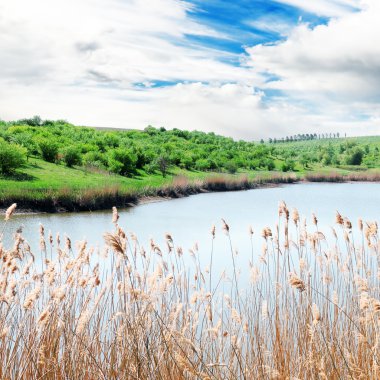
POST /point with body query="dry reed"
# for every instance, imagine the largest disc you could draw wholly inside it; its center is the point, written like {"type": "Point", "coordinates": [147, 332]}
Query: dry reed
{"type": "Point", "coordinates": [311, 309]}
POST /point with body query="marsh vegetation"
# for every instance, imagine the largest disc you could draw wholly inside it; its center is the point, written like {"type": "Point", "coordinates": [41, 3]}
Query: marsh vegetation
{"type": "Point", "coordinates": [310, 309]}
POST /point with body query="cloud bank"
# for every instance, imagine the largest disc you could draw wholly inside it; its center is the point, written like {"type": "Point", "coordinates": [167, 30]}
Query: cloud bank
{"type": "Point", "coordinates": [127, 64]}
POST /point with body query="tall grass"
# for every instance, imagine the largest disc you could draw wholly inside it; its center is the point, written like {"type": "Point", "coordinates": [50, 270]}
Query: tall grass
{"type": "Point", "coordinates": [309, 311]}
{"type": "Point", "coordinates": [333, 176]}
{"type": "Point", "coordinates": [103, 197]}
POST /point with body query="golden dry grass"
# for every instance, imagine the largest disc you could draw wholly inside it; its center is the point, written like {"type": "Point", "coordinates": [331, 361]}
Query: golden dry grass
{"type": "Point", "coordinates": [311, 309]}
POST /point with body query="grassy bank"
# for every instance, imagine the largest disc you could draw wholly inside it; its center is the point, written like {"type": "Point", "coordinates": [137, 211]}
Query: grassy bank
{"type": "Point", "coordinates": [310, 309]}
{"type": "Point", "coordinates": [43, 186]}
{"type": "Point", "coordinates": [49, 187]}
{"type": "Point", "coordinates": [56, 166]}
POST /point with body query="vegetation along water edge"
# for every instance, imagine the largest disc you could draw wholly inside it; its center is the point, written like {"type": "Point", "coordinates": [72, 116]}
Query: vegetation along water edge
{"type": "Point", "coordinates": [55, 166]}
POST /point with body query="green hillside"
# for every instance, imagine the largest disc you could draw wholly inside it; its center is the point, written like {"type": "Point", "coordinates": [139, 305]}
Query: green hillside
{"type": "Point", "coordinates": [60, 164]}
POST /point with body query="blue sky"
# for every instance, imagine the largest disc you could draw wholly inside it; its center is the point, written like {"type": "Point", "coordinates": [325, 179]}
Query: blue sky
{"type": "Point", "coordinates": [247, 69]}
{"type": "Point", "coordinates": [242, 22]}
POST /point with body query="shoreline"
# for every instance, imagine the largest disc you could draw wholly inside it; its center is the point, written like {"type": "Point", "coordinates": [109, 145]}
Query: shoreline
{"type": "Point", "coordinates": [178, 189]}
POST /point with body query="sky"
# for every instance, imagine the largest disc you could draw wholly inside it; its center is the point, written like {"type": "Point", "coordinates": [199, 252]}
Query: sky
{"type": "Point", "coordinates": [249, 69]}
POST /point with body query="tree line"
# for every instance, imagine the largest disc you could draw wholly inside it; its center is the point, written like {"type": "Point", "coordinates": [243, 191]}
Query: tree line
{"type": "Point", "coordinates": [304, 137]}
{"type": "Point", "coordinates": [157, 150]}
{"type": "Point", "coordinates": [127, 152]}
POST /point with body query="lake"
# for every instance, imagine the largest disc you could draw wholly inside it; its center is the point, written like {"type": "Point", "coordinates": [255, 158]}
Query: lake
{"type": "Point", "coordinates": [190, 219]}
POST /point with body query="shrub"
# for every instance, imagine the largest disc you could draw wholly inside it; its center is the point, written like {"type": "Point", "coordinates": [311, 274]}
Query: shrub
{"type": "Point", "coordinates": [355, 158]}
{"type": "Point", "coordinates": [270, 164]}
{"type": "Point", "coordinates": [122, 161]}
{"type": "Point", "coordinates": [186, 162]}
{"type": "Point", "coordinates": [288, 166]}
{"type": "Point", "coordinates": [254, 164]}
{"type": "Point", "coordinates": [202, 164]}
{"type": "Point", "coordinates": [95, 159]}
{"type": "Point", "coordinates": [150, 168]}
{"type": "Point", "coordinates": [231, 167]}
{"type": "Point", "coordinates": [48, 150]}
{"type": "Point", "coordinates": [115, 166]}
{"type": "Point", "coordinates": [327, 159]}
{"type": "Point", "coordinates": [72, 156]}
{"type": "Point", "coordinates": [12, 157]}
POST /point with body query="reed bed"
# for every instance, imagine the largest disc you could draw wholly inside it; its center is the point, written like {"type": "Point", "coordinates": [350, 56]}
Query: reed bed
{"type": "Point", "coordinates": [104, 197]}
{"type": "Point", "coordinates": [304, 306]}
{"type": "Point", "coordinates": [368, 176]}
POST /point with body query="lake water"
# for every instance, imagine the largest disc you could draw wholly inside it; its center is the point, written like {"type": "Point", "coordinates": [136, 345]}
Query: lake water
{"type": "Point", "coordinates": [189, 220]}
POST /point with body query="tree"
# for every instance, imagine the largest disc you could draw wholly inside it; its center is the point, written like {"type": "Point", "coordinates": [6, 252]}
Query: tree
{"type": "Point", "coordinates": [35, 121]}
{"type": "Point", "coordinates": [356, 157]}
{"type": "Point", "coordinates": [163, 164]}
{"type": "Point", "coordinates": [231, 167]}
{"type": "Point", "coordinates": [186, 162]}
{"type": "Point", "coordinates": [305, 160]}
{"type": "Point", "coordinates": [122, 161]}
{"type": "Point", "coordinates": [150, 168]}
{"type": "Point", "coordinates": [288, 165]}
{"type": "Point", "coordinates": [72, 156]}
{"type": "Point", "coordinates": [327, 159]}
{"type": "Point", "coordinates": [95, 159]}
{"type": "Point", "coordinates": [12, 157]}
{"type": "Point", "coordinates": [202, 164]}
{"type": "Point", "coordinates": [48, 149]}
{"type": "Point", "coordinates": [270, 164]}
{"type": "Point", "coordinates": [25, 139]}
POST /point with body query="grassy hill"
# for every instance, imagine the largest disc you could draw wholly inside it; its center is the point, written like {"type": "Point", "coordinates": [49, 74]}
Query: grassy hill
{"type": "Point", "coordinates": [64, 167]}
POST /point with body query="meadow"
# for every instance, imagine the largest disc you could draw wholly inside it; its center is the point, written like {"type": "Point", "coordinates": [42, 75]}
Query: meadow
{"type": "Point", "coordinates": [309, 311]}
{"type": "Point", "coordinates": [56, 166]}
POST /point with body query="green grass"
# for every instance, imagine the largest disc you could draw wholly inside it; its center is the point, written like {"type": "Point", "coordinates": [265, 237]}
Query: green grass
{"type": "Point", "coordinates": [43, 185]}
{"type": "Point", "coordinates": [42, 181]}
{"type": "Point", "coordinates": [39, 175]}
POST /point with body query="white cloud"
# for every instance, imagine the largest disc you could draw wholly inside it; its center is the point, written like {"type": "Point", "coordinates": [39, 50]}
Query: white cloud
{"type": "Point", "coordinates": [81, 60]}
{"type": "Point", "coordinates": [273, 24]}
{"type": "Point", "coordinates": [334, 67]}
{"type": "Point", "coordinates": [231, 109]}
{"type": "Point", "coordinates": [121, 42]}
{"type": "Point", "coordinates": [329, 8]}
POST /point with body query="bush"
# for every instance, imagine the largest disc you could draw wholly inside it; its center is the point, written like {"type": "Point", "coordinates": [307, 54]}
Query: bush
{"type": "Point", "coordinates": [150, 168]}
{"type": "Point", "coordinates": [202, 164]}
{"type": "Point", "coordinates": [24, 139]}
{"type": "Point", "coordinates": [12, 157]}
{"type": "Point", "coordinates": [254, 164]}
{"type": "Point", "coordinates": [122, 161]}
{"type": "Point", "coordinates": [355, 158]}
{"type": "Point", "coordinates": [270, 164]}
{"type": "Point", "coordinates": [288, 166]}
{"type": "Point", "coordinates": [327, 159]}
{"type": "Point", "coordinates": [231, 167]}
{"type": "Point", "coordinates": [72, 156]}
{"type": "Point", "coordinates": [115, 166]}
{"type": "Point", "coordinates": [186, 162]}
{"type": "Point", "coordinates": [95, 159]}
{"type": "Point", "coordinates": [48, 150]}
